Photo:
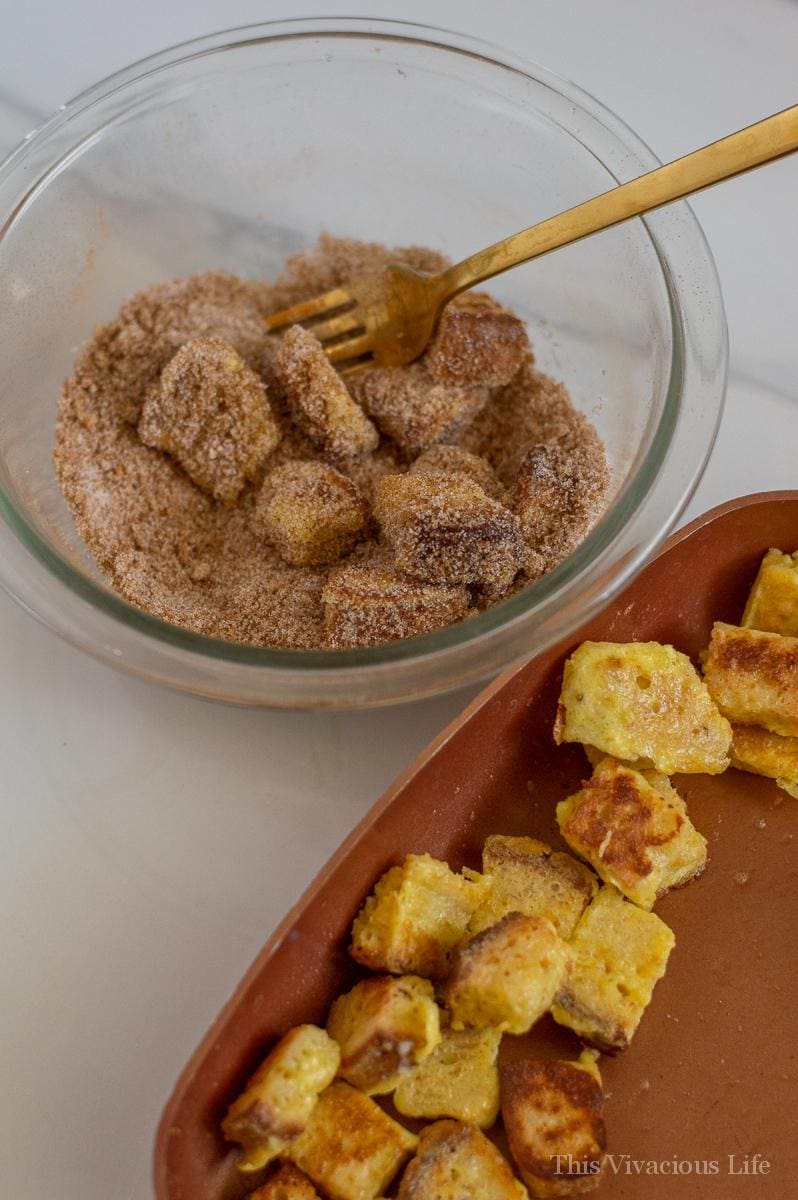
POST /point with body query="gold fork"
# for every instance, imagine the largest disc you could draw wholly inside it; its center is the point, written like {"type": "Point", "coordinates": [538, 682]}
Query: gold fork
{"type": "Point", "coordinates": [388, 318]}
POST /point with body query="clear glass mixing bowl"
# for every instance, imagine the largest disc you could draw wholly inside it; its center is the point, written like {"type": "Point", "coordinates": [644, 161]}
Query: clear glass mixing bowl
{"type": "Point", "coordinates": [237, 149]}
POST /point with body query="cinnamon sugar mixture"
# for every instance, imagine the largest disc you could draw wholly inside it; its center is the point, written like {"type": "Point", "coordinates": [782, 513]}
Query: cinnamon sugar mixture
{"type": "Point", "coordinates": [233, 483]}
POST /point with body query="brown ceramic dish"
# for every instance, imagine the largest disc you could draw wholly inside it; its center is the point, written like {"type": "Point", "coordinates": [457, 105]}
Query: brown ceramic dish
{"type": "Point", "coordinates": [712, 1070]}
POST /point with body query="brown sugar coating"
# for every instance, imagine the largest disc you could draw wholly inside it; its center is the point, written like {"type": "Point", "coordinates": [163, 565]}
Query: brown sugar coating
{"type": "Point", "coordinates": [555, 498]}
{"type": "Point", "coordinates": [170, 548]}
{"type": "Point", "coordinates": [478, 343]}
{"type": "Point", "coordinates": [311, 513]}
{"type": "Point", "coordinates": [318, 399]}
{"type": "Point", "coordinates": [445, 529]}
{"type": "Point", "coordinates": [209, 410]}
{"type": "Point", "coordinates": [367, 605]}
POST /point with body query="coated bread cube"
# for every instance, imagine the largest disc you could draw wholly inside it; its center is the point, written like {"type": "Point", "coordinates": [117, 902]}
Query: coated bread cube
{"type": "Point", "coordinates": [287, 1184]}
{"type": "Point", "coordinates": [526, 877]}
{"type": "Point", "coordinates": [457, 1162]}
{"type": "Point", "coordinates": [507, 976]}
{"type": "Point", "coordinates": [412, 409]}
{"type": "Point", "coordinates": [553, 1115]}
{"type": "Point", "coordinates": [318, 399]}
{"type": "Point", "coordinates": [753, 677]}
{"type": "Point", "coordinates": [762, 753]}
{"type": "Point", "coordinates": [556, 498]}
{"type": "Point", "coordinates": [773, 603]}
{"type": "Point", "coordinates": [350, 1148]}
{"type": "Point", "coordinates": [415, 917]}
{"type": "Point", "coordinates": [211, 413]}
{"type": "Point", "coordinates": [281, 1095]}
{"type": "Point", "coordinates": [642, 703]}
{"type": "Point", "coordinates": [619, 952]}
{"type": "Point", "coordinates": [445, 529]}
{"type": "Point", "coordinates": [371, 604]}
{"type": "Point", "coordinates": [385, 1027]}
{"type": "Point", "coordinates": [460, 1079]}
{"type": "Point", "coordinates": [454, 460]}
{"type": "Point", "coordinates": [477, 342]}
{"type": "Point", "coordinates": [311, 513]}
{"type": "Point", "coordinates": [634, 830]}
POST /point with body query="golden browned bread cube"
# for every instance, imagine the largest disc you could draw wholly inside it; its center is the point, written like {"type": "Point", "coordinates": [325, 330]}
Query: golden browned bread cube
{"type": "Point", "coordinates": [370, 604]}
{"type": "Point", "coordinates": [553, 1114]}
{"type": "Point", "coordinates": [634, 830]}
{"type": "Point", "coordinates": [477, 342]}
{"type": "Point", "coordinates": [642, 703]}
{"type": "Point", "coordinates": [619, 952]}
{"type": "Point", "coordinates": [318, 400]}
{"type": "Point", "coordinates": [508, 975]}
{"type": "Point", "coordinates": [525, 876]}
{"type": "Point", "coordinates": [310, 512]}
{"type": "Point", "coordinates": [445, 529]}
{"type": "Point", "coordinates": [414, 411]}
{"type": "Point", "coordinates": [281, 1095]}
{"type": "Point", "coordinates": [287, 1184]}
{"type": "Point", "coordinates": [459, 1079]}
{"type": "Point", "coordinates": [762, 753]}
{"type": "Point", "coordinates": [415, 917]}
{"type": "Point", "coordinates": [753, 677]}
{"type": "Point", "coordinates": [457, 1162]}
{"type": "Point", "coordinates": [350, 1148]}
{"type": "Point", "coordinates": [454, 460]}
{"type": "Point", "coordinates": [773, 603]}
{"type": "Point", "coordinates": [211, 413]}
{"type": "Point", "coordinates": [385, 1026]}
{"type": "Point", "coordinates": [556, 498]}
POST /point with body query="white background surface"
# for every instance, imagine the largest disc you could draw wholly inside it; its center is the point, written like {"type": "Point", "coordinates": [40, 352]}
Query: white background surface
{"type": "Point", "coordinates": [149, 842]}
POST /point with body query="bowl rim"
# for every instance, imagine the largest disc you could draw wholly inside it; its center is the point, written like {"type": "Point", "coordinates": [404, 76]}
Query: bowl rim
{"type": "Point", "coordinates": [509, 612]}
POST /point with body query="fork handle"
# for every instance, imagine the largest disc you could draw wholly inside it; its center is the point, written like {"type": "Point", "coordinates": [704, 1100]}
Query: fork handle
{"type": "Point", "coordinates": [763, 142]}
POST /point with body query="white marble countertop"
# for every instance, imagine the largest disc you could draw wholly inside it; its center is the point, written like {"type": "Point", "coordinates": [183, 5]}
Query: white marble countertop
{"type": "Point", "coordinates": [150, 842]}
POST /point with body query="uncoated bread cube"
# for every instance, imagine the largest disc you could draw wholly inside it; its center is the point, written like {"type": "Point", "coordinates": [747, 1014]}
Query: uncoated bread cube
{"type": "Point", "coordinates": [310, 512]}
{"type": "Point", "coordinates": [281, 1095]}
{"type": "Point", "coordinates": [555, 500]}
{"type": "Point", "coordinates": [762, 753]}
{"type": "Point", "coordinates": [385, 1027]}
{"type": "Point", "coordinates": [459, 1079]}
{"type": "Point", "coordinates": [367, 605]}
{"type": "Point", "coordinates": [642, 703]}
{"type": "Point", "coordinates": [773, 603]}
{"type": "Point", "coordinates": [455, 1161]}
{"type": "Point", "coordinates": [210, 411]}
{"type": "Point", "coordinates": [477, 342]}
{"type": "Point", "coordinates": [525, 876]}
{"type": "Point", "coordinates": [753, 677]}
{"type": "Point", "coordinates": [350, 1148]}
{"type": "Point", "coordinates": [444, 529]}
{"type": "Point", "coordinates": [318, 399]}
{"type": "Point", "coordinates": [507, 976]}
{"type": "Point", "coordinates": [633, 828]}
{"type": "Point", "coordinates": [619, 952]}
{"type": "Point", "coordinates": [412, 409]}
{"type": "Point", "coordinates": [416, 915]}
{"type": "Point", "coordinates": [288, 1184]}
{"type": "Point", "coordinates": [553, 1114]}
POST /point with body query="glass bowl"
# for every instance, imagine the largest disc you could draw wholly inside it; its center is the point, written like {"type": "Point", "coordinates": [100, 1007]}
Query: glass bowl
{"type": "Point", "coordinates": [235, 150]}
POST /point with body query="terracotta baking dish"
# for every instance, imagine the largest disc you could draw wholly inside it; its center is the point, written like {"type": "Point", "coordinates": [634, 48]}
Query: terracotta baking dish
{"type": "Point", "coordinates": [712, 1071]}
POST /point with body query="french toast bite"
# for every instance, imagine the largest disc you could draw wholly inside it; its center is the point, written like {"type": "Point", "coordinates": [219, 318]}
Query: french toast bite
{"type": "Point", "coordinates": [553, 1115]}
{"type": "Point", "coordinates": [456, 1161]}
{"type": "Point", "coordinates": [454, 460]}
{"type": "Point", "coordinates": [459, 1079]}
{"type": "Point", "coordinates": [551, 483]}
{"type": "Point", "coordinates": [633, 828]}
{"type": "Point", "coordinates": [369, 604]}
{"type": "Point", "coordinates": [277, 1102]}
{"type": "Point", "coordinates": [773, 603]}
{"type": "Point", "coordinates": [762, 753]}
{"type": "Point", "coordinates": [619, 951]}
{"type": "Point", "coordinates": [477, 343]}
{"type": "Point", "coordinates": [416, 915]}
{"type": "Point", "coordinates": [350, 1148]}
{"type": "Point", "coordinates": [753, 677]}
{"type": "Point", "coordinates": [507, 976]}
{"type": "Point", "coordinates": [311, 513]}
{"type": "Point", "coordinates": [287, 1184]}
{"type": "Point", "coordinates": [645, 704]}
{"type": "Point", "coordinates": [525, 876]}
{"type": "Point", "coordinates": [385, 1026]}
